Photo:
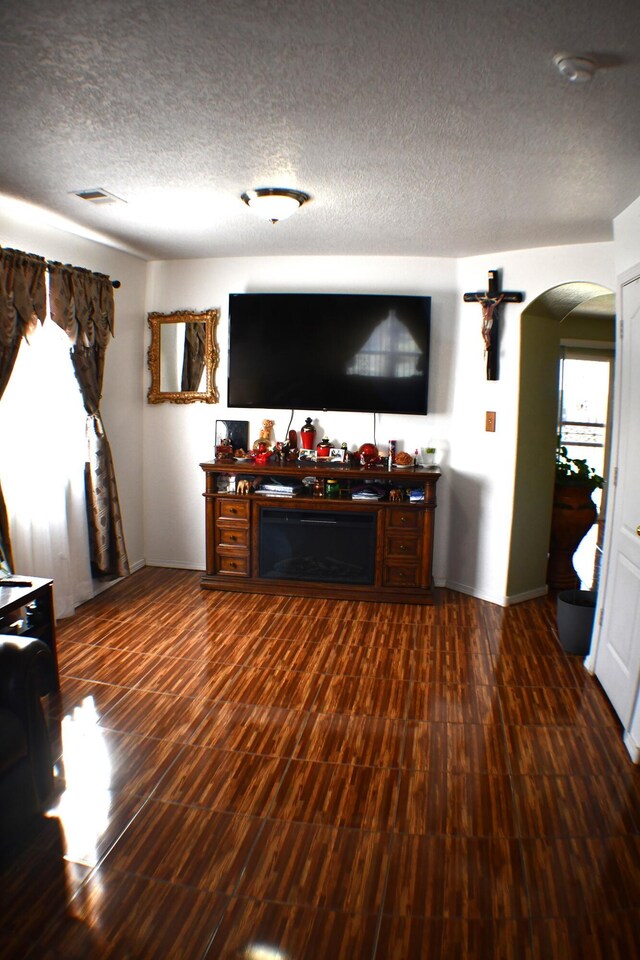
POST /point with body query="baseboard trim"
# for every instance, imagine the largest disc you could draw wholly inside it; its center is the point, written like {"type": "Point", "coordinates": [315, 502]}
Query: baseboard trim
{"type": "Point", "coordinates": [500, 600]}
{"type": "Point", "coordinates": [472, 592]}
{"type": "Point", "coordinates": [632, 747]}
{"type": "Point", "coordinates": [527, 595]}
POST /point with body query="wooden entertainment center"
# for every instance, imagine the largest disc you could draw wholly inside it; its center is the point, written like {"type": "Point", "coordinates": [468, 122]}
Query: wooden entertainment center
{"type": "Point", "coordinates": [363, 549]}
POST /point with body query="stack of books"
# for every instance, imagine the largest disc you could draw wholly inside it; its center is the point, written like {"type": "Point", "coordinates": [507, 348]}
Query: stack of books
{"type": "Point", "coordinates": [272, 488]}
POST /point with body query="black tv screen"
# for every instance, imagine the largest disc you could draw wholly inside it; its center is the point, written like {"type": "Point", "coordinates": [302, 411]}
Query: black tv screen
{"type": "Point", "coordinates": [329, 351]}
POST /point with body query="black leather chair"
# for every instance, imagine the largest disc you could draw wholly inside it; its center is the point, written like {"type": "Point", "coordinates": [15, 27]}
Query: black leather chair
{"type": "Point", "coordinates": [26, 766]}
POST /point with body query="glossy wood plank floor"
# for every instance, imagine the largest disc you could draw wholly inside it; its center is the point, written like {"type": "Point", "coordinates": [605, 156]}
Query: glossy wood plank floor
{"type": "Point", "coordinates": [284, 779]}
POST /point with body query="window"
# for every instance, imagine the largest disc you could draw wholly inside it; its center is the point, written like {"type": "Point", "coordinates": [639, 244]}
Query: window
{"type": "Point", "coordinates": [586, 382]}
{"type": "Point", "coordinates": [42, 461]}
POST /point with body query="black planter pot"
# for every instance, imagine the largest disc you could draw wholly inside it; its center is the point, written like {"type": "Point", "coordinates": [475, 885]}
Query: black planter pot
{"type": "Point", "coordinates": [575, 613]}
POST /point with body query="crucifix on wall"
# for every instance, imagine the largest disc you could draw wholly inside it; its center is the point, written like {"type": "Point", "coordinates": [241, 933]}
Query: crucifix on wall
{"type": "Point", "coordinates": [490, 301]}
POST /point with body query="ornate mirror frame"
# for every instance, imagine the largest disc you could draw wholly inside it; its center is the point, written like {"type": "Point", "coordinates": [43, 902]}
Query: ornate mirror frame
{"type": "Point", "coordinates": [211, 357]}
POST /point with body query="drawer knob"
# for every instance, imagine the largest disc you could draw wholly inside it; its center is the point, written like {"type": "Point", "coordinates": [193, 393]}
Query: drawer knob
{"type": "Point", "coordinates": [232, 510]}
{"type": "Point", "coordinates": [403, 546]}
{"type": "Point", "coordinates": [233, 564]}
{"type": "Point", "coordinates": [403, 519]}
{"type": "Point", "coordinates": [233, 538]}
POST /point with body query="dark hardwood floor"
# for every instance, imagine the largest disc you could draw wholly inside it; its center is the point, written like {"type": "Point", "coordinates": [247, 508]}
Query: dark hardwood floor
{"type": "Point", "coordinates": [274, 778]}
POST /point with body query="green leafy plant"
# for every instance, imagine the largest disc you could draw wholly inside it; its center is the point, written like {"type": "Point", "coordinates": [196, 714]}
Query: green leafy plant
{"type": "Point", "coordinates": [575, 471]}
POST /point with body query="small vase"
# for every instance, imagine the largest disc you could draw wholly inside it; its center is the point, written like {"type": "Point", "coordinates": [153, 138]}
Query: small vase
{"type": "Point", "coordinates": [323, 450]}
{"type": "Point", "coordinates": [307, 434]}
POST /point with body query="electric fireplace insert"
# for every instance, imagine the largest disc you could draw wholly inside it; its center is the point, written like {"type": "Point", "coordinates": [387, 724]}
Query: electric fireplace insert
{"type": "Point", "coordinates": [326, 546]}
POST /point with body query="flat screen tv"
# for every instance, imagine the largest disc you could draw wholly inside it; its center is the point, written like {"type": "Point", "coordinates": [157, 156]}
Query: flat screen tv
{"type": "Point", "coordinates": [329, 351]}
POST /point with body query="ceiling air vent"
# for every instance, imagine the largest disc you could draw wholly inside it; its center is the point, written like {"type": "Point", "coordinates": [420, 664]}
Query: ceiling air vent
{"type": "Point", "coordinates": [97, 195]}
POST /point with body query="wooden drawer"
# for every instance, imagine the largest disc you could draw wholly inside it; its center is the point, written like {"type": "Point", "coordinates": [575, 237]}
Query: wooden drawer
{"type": "Point", "coordinates": [403, 519]}
{"type": "Point", "coordinates": [401, 545]}
{"type": "Point", "coordinates": [233, 536]}
{"type": "Point", "coordinates": [233, 564]}
{"type": "Point", "coordinates": [400, 575]}
{"type": "Point", "coordinates": [228, 509]}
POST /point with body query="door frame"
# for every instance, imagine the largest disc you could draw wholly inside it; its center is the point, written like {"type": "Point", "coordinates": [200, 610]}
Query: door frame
{"type": "Point", "coordinates": [606, 580]}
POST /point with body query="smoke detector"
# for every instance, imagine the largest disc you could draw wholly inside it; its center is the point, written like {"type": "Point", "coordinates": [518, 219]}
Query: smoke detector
{"type": "Point", "coordinates": [575, 69]}
{"type": "Point", "coordinates": [97, 195]}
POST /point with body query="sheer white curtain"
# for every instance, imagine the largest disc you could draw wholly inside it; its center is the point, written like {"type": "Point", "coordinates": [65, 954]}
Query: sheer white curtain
{"type": "Point", "coordinates": [42, 459]}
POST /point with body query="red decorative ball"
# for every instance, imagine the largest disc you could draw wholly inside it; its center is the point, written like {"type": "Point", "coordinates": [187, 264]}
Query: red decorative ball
{"type": "Point", "coordinates": [368, 452]}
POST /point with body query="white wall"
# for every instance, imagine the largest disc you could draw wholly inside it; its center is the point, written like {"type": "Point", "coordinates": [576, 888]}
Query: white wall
{"type": "Point", "coordinates": [473, 520]}
{"type": "Point", "coordinates": [482, 465]}
{"type": "Point", "coordinates": [178, 438]}
{"type": "Point", "coordinates": [626, 233]}
{"type": "Point", "coordinates": [122, 402]}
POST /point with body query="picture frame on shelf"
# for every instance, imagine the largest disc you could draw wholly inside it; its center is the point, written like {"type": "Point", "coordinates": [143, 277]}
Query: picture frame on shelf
{"type": "Point", "coordinates": [235, 430]}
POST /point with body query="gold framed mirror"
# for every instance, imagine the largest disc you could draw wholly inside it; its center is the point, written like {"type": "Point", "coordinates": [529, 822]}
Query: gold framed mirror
{"type": "Point", "coordinates": [183, 357]}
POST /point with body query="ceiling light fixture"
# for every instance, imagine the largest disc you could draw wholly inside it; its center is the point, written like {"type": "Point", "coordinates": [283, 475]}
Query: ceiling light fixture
{"type": "Point", "coordinates": [274, 203]}
{"type": "Point", "coordinates": [575, 69]}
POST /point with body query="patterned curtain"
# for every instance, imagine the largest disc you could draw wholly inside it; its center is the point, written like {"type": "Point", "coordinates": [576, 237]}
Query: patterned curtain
{"type": "Point", "coordinates": [81, 303]}
{"type": "Point", "coordinates": [22, 304]}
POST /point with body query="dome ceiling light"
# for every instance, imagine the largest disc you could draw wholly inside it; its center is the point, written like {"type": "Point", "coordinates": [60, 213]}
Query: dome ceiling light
{"type": "Point", "coordinates": [274, 203]}
{"type": "Point", "coordinates": [575, 69]}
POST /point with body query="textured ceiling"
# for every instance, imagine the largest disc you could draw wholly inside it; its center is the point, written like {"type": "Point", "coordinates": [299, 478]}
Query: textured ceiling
{"type": "Point", "coordinates": [419, 128]}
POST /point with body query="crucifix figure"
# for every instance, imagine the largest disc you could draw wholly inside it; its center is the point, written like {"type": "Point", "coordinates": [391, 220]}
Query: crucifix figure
{"type": "Point", "coordinates": [489, 301]}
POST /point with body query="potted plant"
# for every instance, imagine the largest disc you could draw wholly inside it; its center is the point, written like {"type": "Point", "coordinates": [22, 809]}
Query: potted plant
{"type": "Point", "coordinates": [574, 513]}
{"type": "Point", "coordinates": [575, 473]}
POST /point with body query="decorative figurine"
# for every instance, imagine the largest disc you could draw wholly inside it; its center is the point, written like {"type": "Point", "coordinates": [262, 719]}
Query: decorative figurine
{"type": "Point", "coordinates": [224, 450]}
{"type": "Point", "coordinates": [263, 442]}
{"type": "Point", "coordinates": [263, 457]}
{"type": "Point", "coordinates": [289, 449]}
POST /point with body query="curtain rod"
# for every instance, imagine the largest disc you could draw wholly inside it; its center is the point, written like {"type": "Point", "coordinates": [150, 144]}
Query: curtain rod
{"type": "Point", "coordinates": [65, 266]}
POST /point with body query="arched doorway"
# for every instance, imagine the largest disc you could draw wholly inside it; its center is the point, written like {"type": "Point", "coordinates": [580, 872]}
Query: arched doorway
{"type": "Point", "coordinates": [575, 313]}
